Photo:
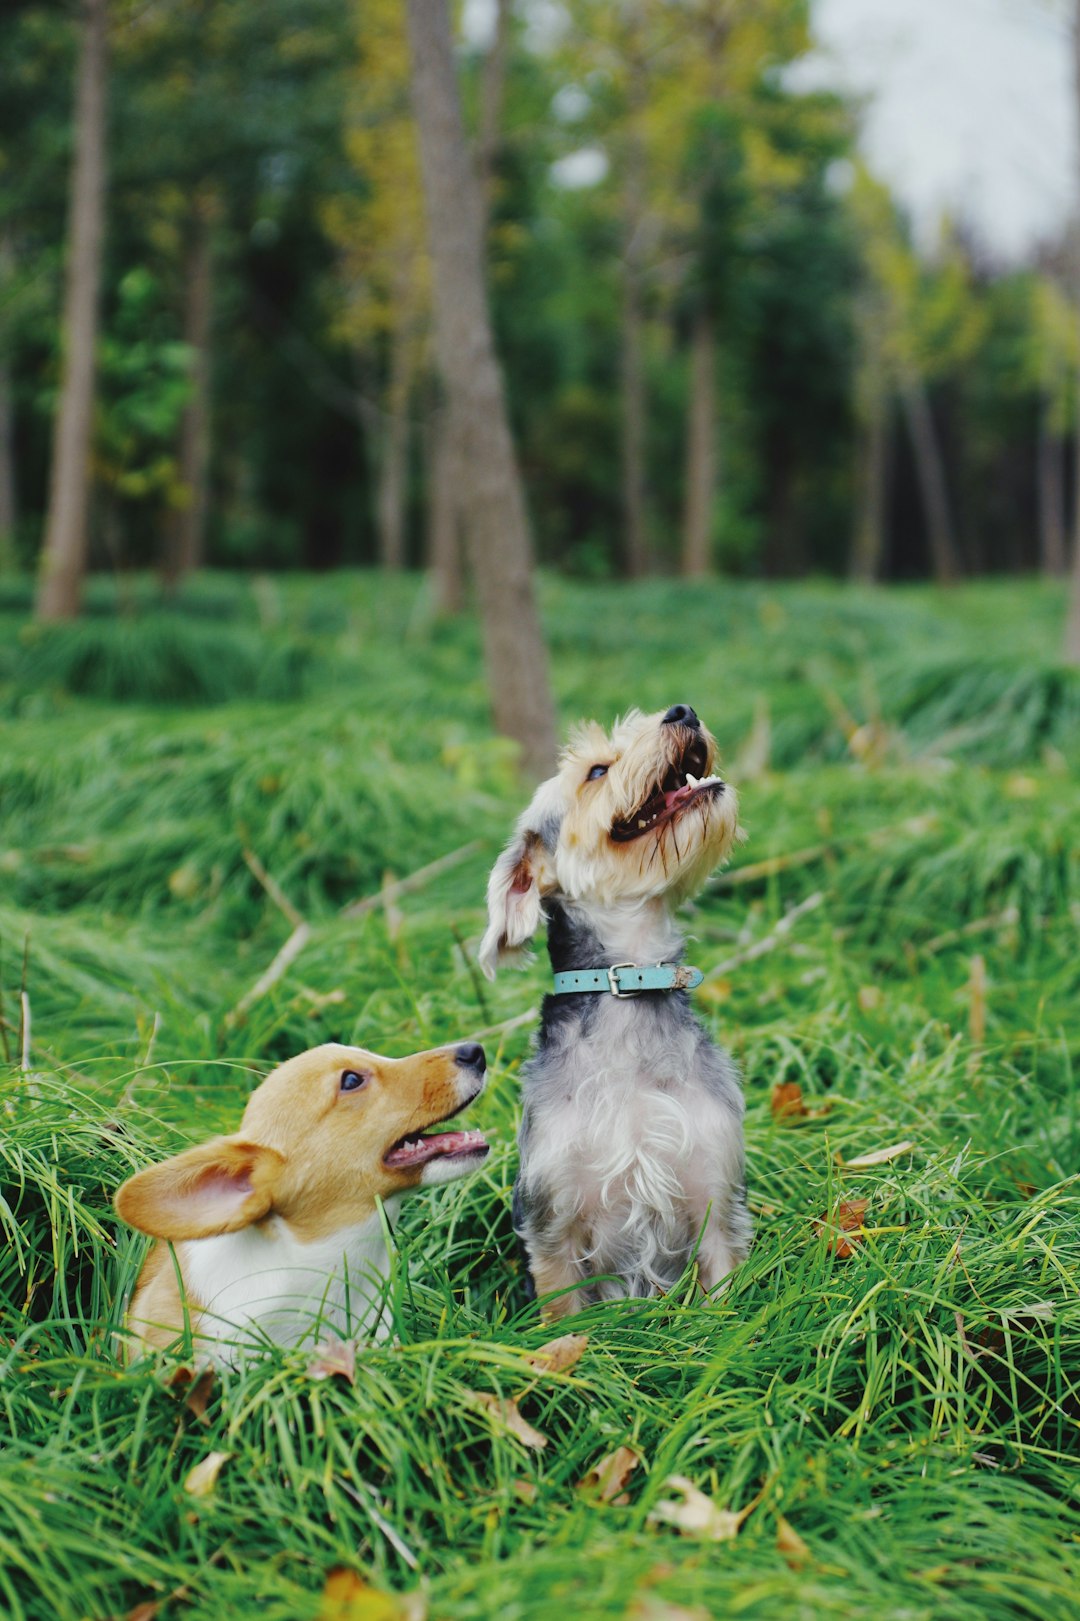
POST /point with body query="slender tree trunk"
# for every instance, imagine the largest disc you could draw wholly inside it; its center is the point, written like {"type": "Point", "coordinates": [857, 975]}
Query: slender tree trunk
{"type": "Point", "coordinates": [492, 499]}
{"type": "Point", "coordinates": [444, 527]}
{"type": "Point", "coordinates": [7, 471]}
{"type": "Point", "coordinates": [702, 459]}
{"type": "Point", "coordinates": [8, 505]}
{"type": "Point", "coordinates": [931, 475]}
{"type": "Point", "coordinates": [394, 463]}
{"type": "Point", "coordinates": [63, 561]}
{"type": "Point", "coordinates": [1071, 649]}
{"type": "Point", "coordinates": [868, 550]}
{"type": "Point", "coordinates": [492, 97]}
{"type": "Point", "coordinates": [632, 359]}
{"type": "Point", "coordinates": [186, 542]}
{"type": "Point", "coordinates": [1051, 477]}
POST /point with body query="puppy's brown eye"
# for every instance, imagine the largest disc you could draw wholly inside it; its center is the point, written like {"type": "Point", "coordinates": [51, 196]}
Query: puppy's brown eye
{"type": "Point", "coordinates": [352, 1080]}
{"type": "Point", "coordinates": [597, 772]}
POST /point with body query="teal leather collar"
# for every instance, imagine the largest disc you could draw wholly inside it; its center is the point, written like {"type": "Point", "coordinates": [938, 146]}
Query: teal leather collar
{"type": "Point", "coordinates": [629, 979]}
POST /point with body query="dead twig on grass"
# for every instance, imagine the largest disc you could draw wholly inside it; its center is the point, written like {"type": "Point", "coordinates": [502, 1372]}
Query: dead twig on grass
{"type": "Point", "coordinates": [770, 941]}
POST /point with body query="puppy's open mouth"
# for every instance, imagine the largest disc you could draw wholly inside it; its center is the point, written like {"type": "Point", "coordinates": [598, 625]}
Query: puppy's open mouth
{"type": "Point", "coordinates": [679, 785]}
{"type": "Point", "coordinates": [417, 1148]}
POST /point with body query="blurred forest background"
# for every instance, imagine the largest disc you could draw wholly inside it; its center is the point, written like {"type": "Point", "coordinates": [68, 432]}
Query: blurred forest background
{"type": "Point", "coordinates": [721, 349]}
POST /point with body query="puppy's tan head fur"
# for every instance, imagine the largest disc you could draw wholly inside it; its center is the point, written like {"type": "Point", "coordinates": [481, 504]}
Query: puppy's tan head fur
{"type": "Point", "coordinates": [632, 815]}
{"type": "Point", "coordinates": [321, 1138]}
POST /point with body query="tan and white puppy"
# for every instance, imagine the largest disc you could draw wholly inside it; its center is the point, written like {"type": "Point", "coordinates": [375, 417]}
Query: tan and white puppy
{"type": "Point", "coordinates": [274, 1233]}
{"type": "Point", "coordinates": [631, 1137]}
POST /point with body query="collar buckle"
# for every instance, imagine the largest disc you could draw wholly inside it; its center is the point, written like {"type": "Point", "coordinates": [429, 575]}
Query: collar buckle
{"type": "Point", "coordinates": [613, 981]}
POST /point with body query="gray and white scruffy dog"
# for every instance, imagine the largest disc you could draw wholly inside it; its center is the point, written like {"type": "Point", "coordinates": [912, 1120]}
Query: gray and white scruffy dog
{"type": "Point", "coordinates": [631, 1136]}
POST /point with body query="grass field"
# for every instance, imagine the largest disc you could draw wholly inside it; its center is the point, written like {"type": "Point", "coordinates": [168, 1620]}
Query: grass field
{"type": "Point", "coordinates": [898, 1416]}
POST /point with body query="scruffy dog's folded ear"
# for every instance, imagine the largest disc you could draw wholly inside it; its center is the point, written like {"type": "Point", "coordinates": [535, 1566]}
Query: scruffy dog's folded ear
{"type": "Point", "coordinates": [523, 874]}
{"type": "Point", "coordinates": [513, 898]}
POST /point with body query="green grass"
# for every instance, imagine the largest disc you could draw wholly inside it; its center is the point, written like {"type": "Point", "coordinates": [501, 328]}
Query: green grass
{"type": "Point", "coordinates": [911, 1410]}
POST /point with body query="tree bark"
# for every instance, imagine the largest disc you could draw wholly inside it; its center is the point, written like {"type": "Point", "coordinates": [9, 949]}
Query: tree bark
{"type": "Point", "coordinates": [702, 459]}
{"type": "Point", "coordinates": [931, 475]}
{"type": "Point", "coordinates": [1051, 475]}
{"type": "Point", "coordinates": [394, 461]}
{"type": "Point", "coordinates": [632, 358]}
{"type": "Point", "coordinates": [186, 542]}
{"type": "Point", "coordinates": [444, 529]}
{"type": "Point", "coordinates": [63, 561]}
{"type": "Point", "coordinates": [492, 500]}
{"type": "Point", "coordinates": [492, 97]}
{"type": "Point", "coordinates": [8, 501]}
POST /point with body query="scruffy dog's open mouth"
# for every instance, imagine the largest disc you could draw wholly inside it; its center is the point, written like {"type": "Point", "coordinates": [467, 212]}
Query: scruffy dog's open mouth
{"type": "Point", "coordinates": [680, 784]}
{"type": "Point", "coordinates": [417, 1148]}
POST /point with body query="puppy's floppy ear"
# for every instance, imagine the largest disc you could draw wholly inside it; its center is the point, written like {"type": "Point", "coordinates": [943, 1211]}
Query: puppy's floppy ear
{"type": "Point", "coordinates": [219, 1187]}
{"type": "Point", "coordinates": [520, 877]}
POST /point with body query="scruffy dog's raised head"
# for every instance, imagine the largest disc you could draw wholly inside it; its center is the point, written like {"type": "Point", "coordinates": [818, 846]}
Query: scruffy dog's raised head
{"type": "Point", "coordinates": [632, 816]}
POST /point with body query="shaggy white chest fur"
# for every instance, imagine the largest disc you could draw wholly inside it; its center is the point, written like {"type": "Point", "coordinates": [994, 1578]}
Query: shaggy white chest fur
{"type": "Point", "coordinates": [263, 1283]}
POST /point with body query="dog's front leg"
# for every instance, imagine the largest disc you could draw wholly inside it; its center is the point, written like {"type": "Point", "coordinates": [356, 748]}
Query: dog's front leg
{"type": "Point", "coordinates": [725, 1240]}
{"type": "Point", "coordinates": [556, 1279]}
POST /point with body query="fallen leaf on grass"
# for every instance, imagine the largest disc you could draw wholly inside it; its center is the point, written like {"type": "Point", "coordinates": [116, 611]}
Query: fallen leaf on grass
{"type": "Point", "coordinates": [334, 1357]}
{"type": "Point", "coordinates": [844, 1226]}
{"type": "Point", "coordinates": [789, 1544]}
{"type": "Point", "coordinates": [145, 1611]}
{"type": "Point", "coordinates": [196, 1387]}
{"type": "Point", "coordinates": [879, 1156]}
{"type": "Point", "coordinates": [787, 1099]}
{"type": "Point", "coordinates": [558, 1355]}
{"type": "Point", "coordinates": [696, 1515]}
{"type": "Point", "coordinates": [524, 1490]}
{"type": "Point", "coordinates": [200, 1481]}
{"type": "Point", "coordinates": [505, 1411]}
{"type": "Point", "coordinates": [348, 1597]}
{"type": "Point", "coordinates": [787, 1102]}
{"type": "Point", "coordinates": [608, 1477]}
{"type": "Point", "coordinates": [661, 1609]}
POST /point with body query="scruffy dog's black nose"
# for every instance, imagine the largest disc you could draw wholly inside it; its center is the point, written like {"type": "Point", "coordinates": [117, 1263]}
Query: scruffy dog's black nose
{"type": "Point", "coordinates": [681, 715]}
{"type": "Point", "coordinates": [470, 1055]}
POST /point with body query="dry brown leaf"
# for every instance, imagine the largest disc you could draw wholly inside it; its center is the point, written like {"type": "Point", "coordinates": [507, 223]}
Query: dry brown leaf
{"type": "Point", "coordinates": [654, 1608]}
{"type": "Point", "coordinates": [200, 1481]}
{"type": "Point", "coordinates": [146, 1611]}
{"type": "Point", "coordinates": [334, 1357]}
{"type": "Point", "coordinates": [506, 1413]}
{"type": "Point", "coordinates": [346, 1596]}
{"type": "Point", "coordinates": [696, 1515]}
{"type": "Point", "coordinates": [789, 1544]}
{"type": "Point", "coordinates": [844, 1226]}
{"type": "Point", "coordinates": [200, 1392]}
{"type": "Point", "coordinates": [608, 1477]}
{"type": "Point", "coordinates": [558, 1355]}
{"type": "Point", "coordinates": [524, 1490]}
{"type": "Point", "coordinates": [879, 1156]}
{"type": "Point", "coordinates": [787, 1099]}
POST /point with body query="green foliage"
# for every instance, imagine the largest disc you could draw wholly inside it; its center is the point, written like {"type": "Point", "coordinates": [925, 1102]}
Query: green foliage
{"type": "Point", "coordinates": [911, 1410]}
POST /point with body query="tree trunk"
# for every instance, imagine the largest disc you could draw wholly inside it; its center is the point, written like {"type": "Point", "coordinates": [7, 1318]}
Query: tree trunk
{"type": "Point", "coordinates": [702, 460]}
{"type": "Point", "coordinates": [394, 462]}
{"type": "Point", "coordinates": [1071, 649]}
{"type": "Point", "coordinates": [492, 96]}
{"type": "Point", "coordinates": [186, 542]}
{"type": "Point", "coordinates": [868, 550]}
{"type": "Point", "coordinates": [931, 475]}
{"type": "Point", "coordinates": [7, 471]}
{"type": "Point", "coordinates": [63, 560]}
{"type": "Point", "coordinates": [632, 360]}
{"type": "Point", "coordinates": [444, 528]}
{"type": "Point", "coordinates": [492, 500]}
{"type": "Point", "coordinates": [1051, 471]}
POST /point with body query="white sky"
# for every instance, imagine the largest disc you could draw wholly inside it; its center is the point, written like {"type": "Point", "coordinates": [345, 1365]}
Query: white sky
{"type": "Point", "coordinates": [969, 107]}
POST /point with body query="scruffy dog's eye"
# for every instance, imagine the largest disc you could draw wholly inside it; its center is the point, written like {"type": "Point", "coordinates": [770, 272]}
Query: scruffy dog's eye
{"type": "Point", "coordinates": [597, 771]}
{"type": "Point", "coordinates": [351, 1081]}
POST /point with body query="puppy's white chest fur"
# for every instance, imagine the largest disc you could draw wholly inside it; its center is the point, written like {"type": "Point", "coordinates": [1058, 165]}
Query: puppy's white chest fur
{"type": "Point", "coordinates": [264, 1282]}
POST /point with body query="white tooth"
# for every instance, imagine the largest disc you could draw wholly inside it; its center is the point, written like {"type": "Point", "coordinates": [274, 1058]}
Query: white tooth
{"type": "Point", "coordinates": [691, 782]}
{"type": "Point", "coordinates": [642, 823]}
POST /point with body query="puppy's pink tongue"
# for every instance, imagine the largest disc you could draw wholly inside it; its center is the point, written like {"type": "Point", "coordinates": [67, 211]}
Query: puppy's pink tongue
{"type": "Point", "coordinates": [677, 795]}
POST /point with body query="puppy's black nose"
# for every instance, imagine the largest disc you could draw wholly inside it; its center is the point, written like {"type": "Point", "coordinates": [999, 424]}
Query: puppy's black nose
{"type": "Point", "coordinates": [681, 715]}
{"type": "Point", "coordinates": [470, 1055]}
